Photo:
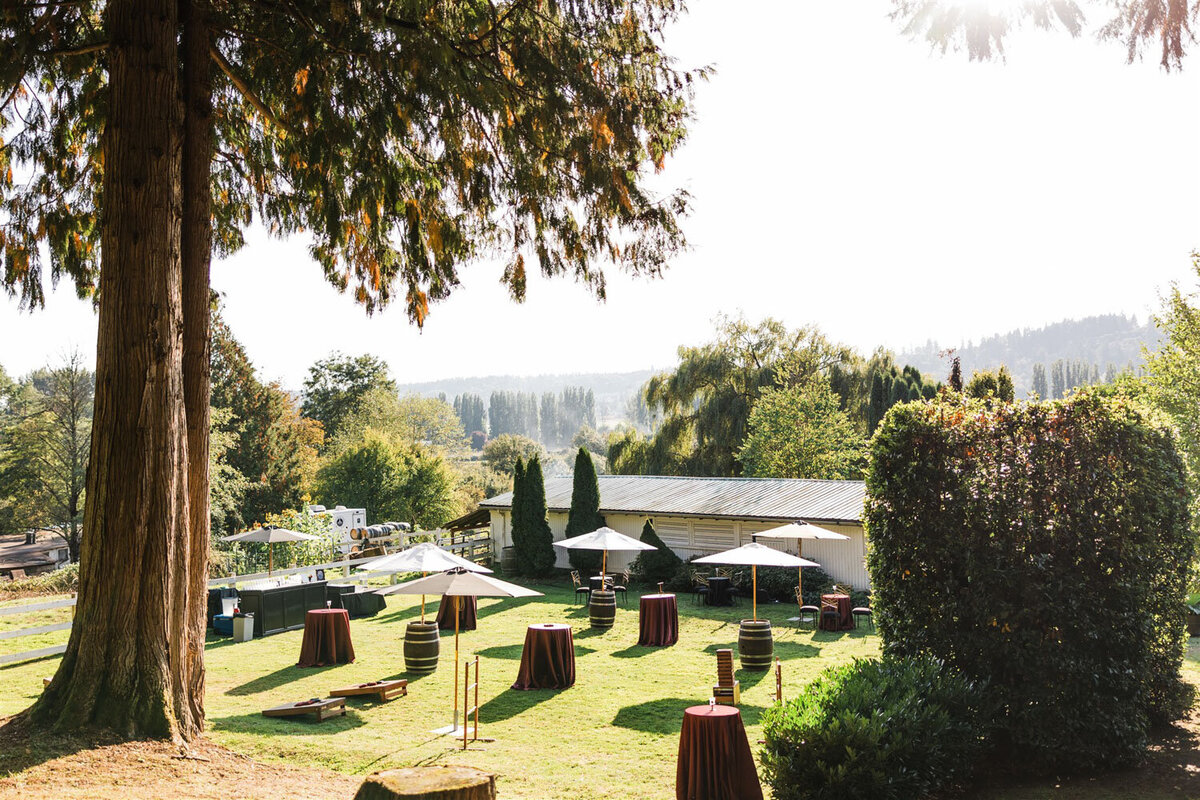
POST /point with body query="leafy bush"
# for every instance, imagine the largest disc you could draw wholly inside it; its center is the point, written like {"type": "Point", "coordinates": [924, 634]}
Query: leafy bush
{"type": "Point", "coordinates": [1043, 547]}
{"type": "Point", "coordinates": [897, 728]}
{"type": "Point", "coordinates": [60, 581]}
{"type": "Point", "coordinates": [660, 564]}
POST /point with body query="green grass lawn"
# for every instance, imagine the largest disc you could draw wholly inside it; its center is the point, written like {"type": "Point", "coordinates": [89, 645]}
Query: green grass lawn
{"type": "Point", "coordinates": [615, 733]}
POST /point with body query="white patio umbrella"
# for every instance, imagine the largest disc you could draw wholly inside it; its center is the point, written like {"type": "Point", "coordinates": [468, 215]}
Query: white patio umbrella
{"type": "Point", "coordinates": [456, 585]}
{"type": "Point", "coordinates": [425, 557]}
{"type": "Point", "coordinates": [800, 530]}
{"type": "Point", "coordinates": [603, 539]}
{"type": "Point", "coordinates": [755, 555]}
{"type": "Point", "coordinates": [269, 535]}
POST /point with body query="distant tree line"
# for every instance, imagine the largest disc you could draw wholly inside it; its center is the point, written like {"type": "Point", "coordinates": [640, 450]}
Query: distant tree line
{"type": "Point", "coordinates": [551, 419]}
{"type": "Point", "coordinates": [1065, 376]}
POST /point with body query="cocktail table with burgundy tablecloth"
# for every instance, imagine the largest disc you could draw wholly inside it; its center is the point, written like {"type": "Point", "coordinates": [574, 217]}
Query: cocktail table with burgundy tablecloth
{"type": "Point", "coordinates": [326, 638]}
{"type": "Point", "coordinates": [467, 618]}
{"type": "Point", "coordinates": [845, 620]}
{"type": "Point", "coordinates": [714, 757]}
{"type": "Point", "coordinates": [548, 659]}
{"type": "Point", "coordinates": [658, 620]}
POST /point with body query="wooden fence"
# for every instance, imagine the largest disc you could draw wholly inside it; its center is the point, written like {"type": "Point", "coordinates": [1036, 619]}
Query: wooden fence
{"type": "Point", "coordinates": [470, 546]}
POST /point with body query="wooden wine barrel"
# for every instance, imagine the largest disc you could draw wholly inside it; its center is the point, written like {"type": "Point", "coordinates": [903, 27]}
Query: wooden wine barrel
{"type": "Point", "coordinates": [421, 645]}
{"type": "Point", "coordinates": [450, 782]}
{"type": "Point", "coordinates": [756, 649]}
{"type": "Point", "coordinates": [603, 609]}
{"type": "Point", "coordinates": [508, 560]}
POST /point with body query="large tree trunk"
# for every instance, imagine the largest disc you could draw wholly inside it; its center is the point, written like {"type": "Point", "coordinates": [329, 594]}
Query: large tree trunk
{"type": "Point", "coordinates": [123, 667]}
{"type": "Point", "coordinates": [196, 238]}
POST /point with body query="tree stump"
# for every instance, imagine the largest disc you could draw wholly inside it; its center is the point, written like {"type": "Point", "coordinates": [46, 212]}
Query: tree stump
{"type": "Point", "coordinates": [429, 783]}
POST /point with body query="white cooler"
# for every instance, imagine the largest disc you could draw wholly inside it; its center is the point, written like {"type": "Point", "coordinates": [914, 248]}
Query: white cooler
{"type": "Point", "coordinates": [243, 628]}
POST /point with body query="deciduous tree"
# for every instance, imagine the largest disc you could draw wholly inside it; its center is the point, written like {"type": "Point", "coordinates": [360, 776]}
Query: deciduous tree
{"type": "Point", "coordinates": [800, 432]}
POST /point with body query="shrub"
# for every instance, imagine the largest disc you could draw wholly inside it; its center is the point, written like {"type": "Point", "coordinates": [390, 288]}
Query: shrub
{"type": "Point", "coordinates": [896, 728]}
{"type": "Point", "coordinates": [1043, 547]}
{"type": "Point", "coordinates": [60, 581]}
{"type": "Point", "coordinates": [660, 564]}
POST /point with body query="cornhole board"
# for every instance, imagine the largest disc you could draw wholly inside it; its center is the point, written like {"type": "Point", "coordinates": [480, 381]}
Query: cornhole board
{"type": "Point", "coordinates": [386, 690]}
{"type": "Point", "coordinates": [323, 709]}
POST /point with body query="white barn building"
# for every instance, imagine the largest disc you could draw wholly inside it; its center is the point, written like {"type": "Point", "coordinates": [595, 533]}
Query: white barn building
{"type": "Point", "coordinates": [698, 516]}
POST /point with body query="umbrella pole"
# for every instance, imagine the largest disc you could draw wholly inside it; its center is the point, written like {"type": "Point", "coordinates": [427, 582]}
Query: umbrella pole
{"type": "Point", "coordinates": [800, 574]}
{"type": "Point", "coordinates": [457, 601]}
{"type": "Point", "coordinates": [603, 569]}
{"type": "Point", "coordinates": [423, 574]}
{"type": "Point", "coordinates": [754, 575]}
{"type": "Point", "coordinates": [270, 559]}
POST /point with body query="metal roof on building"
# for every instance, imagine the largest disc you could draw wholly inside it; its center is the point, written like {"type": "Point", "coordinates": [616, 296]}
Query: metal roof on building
{"type": "Point", "coordinates": [782, 499]}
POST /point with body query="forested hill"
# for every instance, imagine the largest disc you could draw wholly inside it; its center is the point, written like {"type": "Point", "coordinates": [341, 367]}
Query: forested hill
{"type": "Point", "coordinates": [612, 389]}
{"type": "Point", "coordinates": [1100, 342]}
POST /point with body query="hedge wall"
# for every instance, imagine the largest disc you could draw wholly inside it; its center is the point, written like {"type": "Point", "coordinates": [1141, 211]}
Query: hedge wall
{"type": "Point", "coordinates": [1043, 548]}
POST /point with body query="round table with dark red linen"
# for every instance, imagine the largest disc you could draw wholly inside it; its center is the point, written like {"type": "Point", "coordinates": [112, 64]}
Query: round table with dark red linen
{"type": "Point", "coordinates": [658, 620]}
{"type": "Point", "coordinates": [548, 659]}
{"type": "Point", "coordinates": [467, 617]}
{"type": "Point", "coordinates": [715, 762]}
{"type": "Point", "coordinates": [845, 621]}
{"type": "Point", "coordinates": [326, 638]}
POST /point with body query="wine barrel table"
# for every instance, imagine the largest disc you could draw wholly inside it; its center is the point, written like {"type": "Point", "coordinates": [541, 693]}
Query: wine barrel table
{"type": "Point", "coordinates": [603, 609]}
{"type": "Point", "coordinates": [421, 645]}
{"type": "Point", "coordinates": [450, 782]}
{"type": "Point", "coordinates": [756, 648]}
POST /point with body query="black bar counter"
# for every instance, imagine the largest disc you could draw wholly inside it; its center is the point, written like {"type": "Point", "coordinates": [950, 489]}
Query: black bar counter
{"type": "Point", "coordinates": [281, 608]}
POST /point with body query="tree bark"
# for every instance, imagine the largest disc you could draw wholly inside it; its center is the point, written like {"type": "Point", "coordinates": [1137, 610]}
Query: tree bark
{"type": "Point", "coordinates": [123, 668]}
{"type": "Point", "coordinates": [447, 782]}
{"type": "Point", "coordinates": [196, 241]}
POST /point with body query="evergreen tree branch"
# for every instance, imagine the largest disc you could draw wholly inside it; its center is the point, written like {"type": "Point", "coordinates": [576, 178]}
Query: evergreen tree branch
{"type": "Point", "coordinates": [244, 89]}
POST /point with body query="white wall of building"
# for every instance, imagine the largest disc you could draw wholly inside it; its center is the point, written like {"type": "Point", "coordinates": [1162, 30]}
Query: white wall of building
{"type": "Point", "coordinates": [845, 560]}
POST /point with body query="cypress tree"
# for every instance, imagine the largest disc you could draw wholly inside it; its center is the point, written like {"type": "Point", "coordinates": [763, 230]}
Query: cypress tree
{"type": "Point", "coordinates": [955, 380]}
{"type": "Point", "coordinates": [877, 405]}
{"type": "Point", "coordinates": [659, 564]}
{"type": "Point", "coordinates": [536, 556]}
{"type": "Point", "coordinates": [584, 516]}
{"type": "Point", "coordinates": [519, 528]}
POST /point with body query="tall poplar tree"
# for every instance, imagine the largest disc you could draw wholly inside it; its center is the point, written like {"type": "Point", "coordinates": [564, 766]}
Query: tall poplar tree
{"type": "Point", "coordinates": [519, 531]}
{"type": "Point", "coordinates": [403, 137]}
{"type": "Point", "coordinates": [536, 555]}
{"type": "Point", "coordinates": [584, 515]}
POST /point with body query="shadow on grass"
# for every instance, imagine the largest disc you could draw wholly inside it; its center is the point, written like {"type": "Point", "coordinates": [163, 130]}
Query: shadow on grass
{"type": "Point", "coordinates": [513, 702]}
{"type": "Point", "coordinates": [269, 681]}
{"type": "Point", "coordinates": [302, 725]}
{"type": "Point", "coordinates": [512, 651]}
{"type": "Point", "coordinates": [664, 716]}
{"type": "Point", "coordinates": [635, 651]}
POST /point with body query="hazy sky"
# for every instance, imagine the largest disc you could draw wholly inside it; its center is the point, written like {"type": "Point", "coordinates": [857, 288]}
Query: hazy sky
{"type": "Point", "coordinates": [842, 175]}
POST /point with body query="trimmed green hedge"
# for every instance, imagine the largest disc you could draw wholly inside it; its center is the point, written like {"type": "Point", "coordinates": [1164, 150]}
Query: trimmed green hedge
{"type": "Point", "coordinates": [1044, 548]}
{"type": "Point", "coordinates": [895, 729]}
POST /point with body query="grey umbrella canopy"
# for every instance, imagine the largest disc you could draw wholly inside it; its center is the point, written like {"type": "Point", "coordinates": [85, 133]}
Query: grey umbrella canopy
{"type": "Point", "coordinates": [603, 539]}
{"type": "Point", "coordinates": [269, 536]}
{"type": "Point", "coordinates": [755, 555]}
{"type": "Point", "coordinates": [425, 557]}
{"type": "Point", "coordinates": [800, 530]}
